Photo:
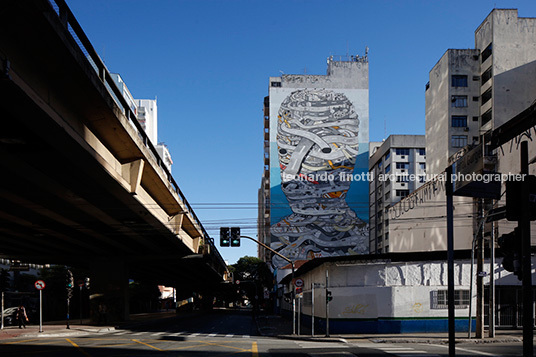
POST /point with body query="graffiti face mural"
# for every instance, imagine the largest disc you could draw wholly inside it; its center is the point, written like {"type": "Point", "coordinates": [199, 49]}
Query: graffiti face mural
{"type": "Point", "coordinates": [317, 143]}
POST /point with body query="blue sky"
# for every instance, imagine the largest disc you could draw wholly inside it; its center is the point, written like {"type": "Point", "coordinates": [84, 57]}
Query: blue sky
{"type": "Point", "coordinates": [208, 63]}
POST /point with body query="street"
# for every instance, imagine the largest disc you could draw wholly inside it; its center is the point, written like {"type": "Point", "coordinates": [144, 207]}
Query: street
{"type": "Point", "coordinates": [226, 333]}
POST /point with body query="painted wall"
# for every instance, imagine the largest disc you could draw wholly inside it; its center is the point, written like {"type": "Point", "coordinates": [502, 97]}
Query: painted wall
{"type": "Point", "coordinates": [391, 297]}
{"type": "Point", "coordinates": [318, 144]}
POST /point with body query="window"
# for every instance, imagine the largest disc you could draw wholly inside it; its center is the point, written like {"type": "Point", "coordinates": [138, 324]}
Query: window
{"type": "Point", "coordinates": [487, 52]}
{"type": "Point", "coordinates": [459, 101]}
{"type": "Point", "coordinates": [475, 99]}
{"type": "Point", "coordinates": [276, 84]}
{"type": "Point", "coordinates": [380, 165]}
{"type": "Point", "coordinates": [475, 139]}
{"type": "Point", "coordinates": [402, 193]}
{"type": "Point", "coordinates": [403, 178]}
{"type": "Point", "coordinates": [422, 166]}
{"type": "Point", "coordinates": [402, 165]}
{"type": "Point", "coordinates": [422, 179]}
{"type": "Point", "coordinates": [475, 118]}
{"type": "Point", "coordinates": [440, 299]}
{"type": "Point", "coordinates": [476, 78]}
{"type": "Point", "coordinates": [387, 168]}
{"type": "Point", "coordinates": [387, 180]}
{"type": "Point", "coordinates": [388, 195]}
{"type": "Point", "coordinates": [388, 154]}
{"type": "Point", "coordinates": [486, 117]}
{"type": "Point", "coordinates": [459, 80]}
{"type": "Point", "coordinates": [486, 96]}
{"type": "Point", "coordinates": [488, 73]}
{"type": "Point", "coordinates": [458, 141]}
{"type": "Point", "coordinates": [422, 151]}
{"type": "Point", "coordinates": [459, 121]}
{"type": "Point", "coordinates": [402, 151]}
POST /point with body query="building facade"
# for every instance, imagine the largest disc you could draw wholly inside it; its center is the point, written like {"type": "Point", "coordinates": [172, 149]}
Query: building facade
{"type": "Point", "coordinates": [399, 293]}
{"type": "Point", "coordinates": [397, 168]}
{"type": "Point", "coordinates": [452, 101]}
{"type": "Point", "coordinates": [470, 94]}
{"type": "Point", "coordinates": [316, 142]}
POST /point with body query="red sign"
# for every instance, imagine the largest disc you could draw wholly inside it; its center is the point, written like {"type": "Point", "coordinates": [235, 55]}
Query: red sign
{"type": "Point", "coordinates": [237, 282]}
{"type": "Point", "coordinates": [39, 284]}
{"type": "Point", "coordinates": [299, 290]}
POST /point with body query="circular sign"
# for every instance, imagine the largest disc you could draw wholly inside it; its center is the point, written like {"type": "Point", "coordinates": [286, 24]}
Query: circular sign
{"type": "Point", "coordinates": [39, 284]}
{"type": "Point", "coordinates": [298, 283]}
{"type": "Point", "coordinates": [237, 282]}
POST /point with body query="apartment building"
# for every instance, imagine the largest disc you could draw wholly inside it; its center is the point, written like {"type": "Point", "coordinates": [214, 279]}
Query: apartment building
{"type": "Point", "coordinates": [397, 168]}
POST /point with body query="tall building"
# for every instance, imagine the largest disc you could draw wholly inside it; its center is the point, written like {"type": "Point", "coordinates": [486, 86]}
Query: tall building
{"type": "Point", "coordinates": [452, 100]}
{"type": "Point", "coordinates": [470, 94]}
{"type": "Point", "coordinates": [316, 145]}
{"type": "Point", "coordinates": [397, 168]}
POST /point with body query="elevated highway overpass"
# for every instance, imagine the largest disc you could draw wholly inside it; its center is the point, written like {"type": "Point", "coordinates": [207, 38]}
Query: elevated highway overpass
{"type": "Point", "coordinates": [81, 184]}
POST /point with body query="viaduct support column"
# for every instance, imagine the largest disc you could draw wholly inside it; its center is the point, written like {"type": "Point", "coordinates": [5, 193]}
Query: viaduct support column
{"type": "Point", "coordinates": [109, 301]}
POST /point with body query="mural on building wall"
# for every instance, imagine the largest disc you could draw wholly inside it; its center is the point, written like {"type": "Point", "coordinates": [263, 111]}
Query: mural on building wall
{"type": "Point", "coordinates": [317, 143]}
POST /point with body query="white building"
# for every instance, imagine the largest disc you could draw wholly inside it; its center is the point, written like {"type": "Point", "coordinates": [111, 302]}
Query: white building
{"type": "Point", "coordinates": [397, 293]}
{"type": "Point", "coordinates": [397, 168]}
{"type": "Point", "coordinates": [146, 111]}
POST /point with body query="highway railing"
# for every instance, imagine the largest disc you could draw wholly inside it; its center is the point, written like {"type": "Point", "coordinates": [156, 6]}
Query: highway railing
{"type": "Point", "coordinates": [70, 23]}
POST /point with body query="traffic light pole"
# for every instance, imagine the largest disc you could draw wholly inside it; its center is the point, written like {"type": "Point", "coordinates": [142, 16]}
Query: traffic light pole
{"type": "Point", "coordinates": [292, 283]}
{"type": "Point", "coordinates": [524, 227]}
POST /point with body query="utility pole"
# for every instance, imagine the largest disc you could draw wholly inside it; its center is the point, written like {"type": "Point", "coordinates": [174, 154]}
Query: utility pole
{"type": "Point", "coordinates": [480, 275]}
{"type": "Point", "coordinates": [524, 227]}
{"type": "Point", "coordinates": [293, 293]}
{"type": "Point", "coordinates": [327, 304]}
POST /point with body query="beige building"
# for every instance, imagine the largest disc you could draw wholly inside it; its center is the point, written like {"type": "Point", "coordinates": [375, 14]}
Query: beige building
{"type": "Point", "coordinates": [470, 93]}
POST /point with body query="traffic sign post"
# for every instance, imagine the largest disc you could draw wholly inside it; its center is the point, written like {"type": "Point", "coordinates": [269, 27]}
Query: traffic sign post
{"type": "Point", "coordinates": [40, 285]}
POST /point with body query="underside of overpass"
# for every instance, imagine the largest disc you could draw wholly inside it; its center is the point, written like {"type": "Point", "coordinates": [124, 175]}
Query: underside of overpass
{"type": "Point", "coordinates": [80, 183]}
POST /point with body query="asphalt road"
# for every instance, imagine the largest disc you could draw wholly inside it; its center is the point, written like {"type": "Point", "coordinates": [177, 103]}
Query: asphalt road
{"type": "Point", "coordinates": [224, 333]}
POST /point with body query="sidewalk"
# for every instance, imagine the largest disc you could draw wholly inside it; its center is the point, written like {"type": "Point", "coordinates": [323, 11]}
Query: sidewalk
{"type": "Point", "coordinates": [59, 328]}
{"type": "Point", "coordinates": [277, 326]}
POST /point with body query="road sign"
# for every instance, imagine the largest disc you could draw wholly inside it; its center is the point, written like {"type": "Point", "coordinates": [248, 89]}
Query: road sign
{"type": "Point", "coordinates": [299, 289]}
{"type": "Point", "coordinates": [298, 283]}
{"type": "Point", "coordinates": [237, 282]}
{"type": "Point", "coordinates": [39, 284]}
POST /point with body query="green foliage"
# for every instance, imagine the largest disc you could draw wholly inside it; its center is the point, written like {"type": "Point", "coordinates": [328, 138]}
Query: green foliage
{"type": "Point", "coordinates": [252, 268]}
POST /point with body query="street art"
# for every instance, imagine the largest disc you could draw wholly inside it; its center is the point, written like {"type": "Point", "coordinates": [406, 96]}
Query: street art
{"type": "Point", "coordinates": [317, 143]}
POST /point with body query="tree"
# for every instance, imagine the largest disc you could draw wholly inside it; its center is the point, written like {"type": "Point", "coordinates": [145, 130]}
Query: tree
{"type": "Point", "coordinates": [254, 275]}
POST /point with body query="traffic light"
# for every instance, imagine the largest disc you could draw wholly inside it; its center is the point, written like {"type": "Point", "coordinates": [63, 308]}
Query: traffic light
{"type": "Point", "coordinates": [225, 237]}
{"type": "Point", "coordinates": [510, 247]}
{"type": "Point", "coordinates": [86, 283]}
{"type": "Point", "coordinates": [4, 280]}
{"type": "Point", "coordinates": [328, 296]}
{"type": "Point", "coordinates": [69, 280]}
{"type": "Point", "coordinates": [514, 197]}
{"type": "Point", "coordinates": [235, 236]}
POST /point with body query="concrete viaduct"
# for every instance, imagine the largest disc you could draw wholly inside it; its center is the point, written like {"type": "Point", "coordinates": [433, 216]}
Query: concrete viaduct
{"type": "Point", "coordinates": [80, 183]}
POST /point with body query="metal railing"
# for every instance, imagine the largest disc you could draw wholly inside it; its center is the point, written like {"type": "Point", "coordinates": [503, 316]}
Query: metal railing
{"type": "Point", "coordinates": [70, 23]}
